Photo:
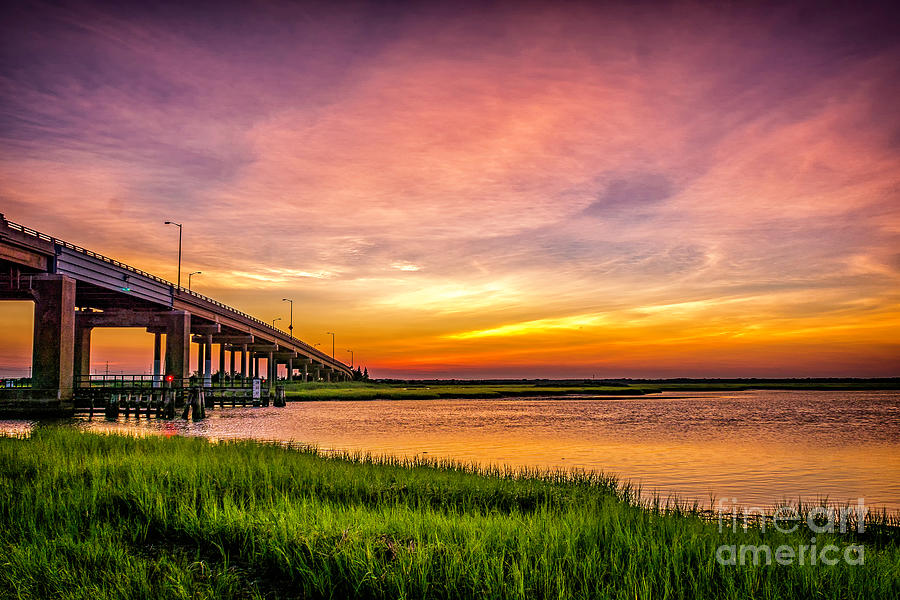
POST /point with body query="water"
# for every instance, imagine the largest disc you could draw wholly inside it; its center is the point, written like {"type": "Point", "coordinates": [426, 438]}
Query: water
{"type": "Point", "coordinates": [756, 447]}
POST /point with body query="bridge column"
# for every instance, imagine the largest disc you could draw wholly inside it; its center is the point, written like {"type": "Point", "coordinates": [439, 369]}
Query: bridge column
{"type": "Point", "coordinates": [305, 373]}
{"type": "Point", "coordinates": [82, 355]}
{"type": "Point", "coordinates": [207, 371]}
{"type": "Point", "coordinates": [290, 367]}
{"type": "Point", "coordinates": [255, 365]}
{"type": "Point", "coordinates": [157, 359]}
{"type": "Point", "coordinates": [178, 343]}
{"type": "Point", "coordinates": [273, 370]}
{"type": "Point", "coordinates": [201, 361]}
{"type": "Point", "coordinates": [244, 361]}
{"type": "Point", "coordinates": [53, 354]}
{"type": "Point", "coordinates": [221, 364]}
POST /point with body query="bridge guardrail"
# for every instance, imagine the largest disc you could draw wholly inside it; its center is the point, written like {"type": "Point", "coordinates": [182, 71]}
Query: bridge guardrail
{"type": "Point", "coordinates": [266, 326]}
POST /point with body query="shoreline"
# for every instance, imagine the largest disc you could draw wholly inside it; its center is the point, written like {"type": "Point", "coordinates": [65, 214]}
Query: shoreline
{"type": "Point", "coordinates": [299, 392]}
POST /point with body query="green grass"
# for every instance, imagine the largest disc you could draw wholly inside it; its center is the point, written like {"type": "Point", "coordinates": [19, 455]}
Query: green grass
{"type": "Point", "coordinates": [105, 516]}
{"type": "Point", "coordinates": [357, 390]}
{"type": "Point", "coordinates": [427, 391]}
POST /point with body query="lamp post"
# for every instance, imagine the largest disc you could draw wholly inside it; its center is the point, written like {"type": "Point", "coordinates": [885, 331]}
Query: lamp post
{"type": "Point", "coordinates": [179, 249]}
{"type": "Point", "coordinates": [273, 321]}
{"type": "Point", "coordinates": [331, 333]}
{"type": "Point", "coordinates": [351, 358]}
{"type": "Point", "coordinates": [291, 325]}
{"type": "Point", "coordinates": [191, 275]}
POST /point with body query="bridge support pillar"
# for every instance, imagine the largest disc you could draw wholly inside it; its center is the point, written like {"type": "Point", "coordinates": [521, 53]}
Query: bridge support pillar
{"type": "Point", "coordinates": [200, 361]}
{"type": "Point", "coordinates": [221, 364]}
{"type": "Point", "coordinates": [305, 373]}
{"type": "Point", "coordinates": [157, 359]}
{"type": "Point", "coordinates": [207, 366]}
{"type": "Point", "coordinates": [244, 362]}
{"type": "Point", "coordinates": [290, 368]}
{"type": "Point", "coordinates": [82, 355]}
{"type": "Point", "coordinates": [231, 364]}
{"type": "Point", "coordinates": [178, 343]}
{"type": "Point", "coordinates": [54, 336]}
{"type": "Point", "coordinates": [273, 371]}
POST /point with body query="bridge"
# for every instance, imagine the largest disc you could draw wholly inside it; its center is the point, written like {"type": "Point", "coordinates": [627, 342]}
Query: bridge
{"type": "Point", "coordinates": [75, 290]}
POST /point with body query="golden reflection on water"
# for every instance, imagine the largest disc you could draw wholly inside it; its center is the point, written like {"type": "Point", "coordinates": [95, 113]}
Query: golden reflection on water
{"type": "Point", "coordinates": [757, 447]}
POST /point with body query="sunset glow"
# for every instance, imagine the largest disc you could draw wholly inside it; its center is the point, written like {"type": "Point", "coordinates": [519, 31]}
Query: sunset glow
{"type": "Point", "coordinates": [526, 190]}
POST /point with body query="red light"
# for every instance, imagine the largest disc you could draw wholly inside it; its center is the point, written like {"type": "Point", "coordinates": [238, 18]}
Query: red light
{"type": "Point", "coordinates": [170, 378]}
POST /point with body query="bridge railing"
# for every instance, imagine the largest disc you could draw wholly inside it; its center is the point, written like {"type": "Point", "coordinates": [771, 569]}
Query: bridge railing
{"type": "Point", "coordinates": [258, 322]}
{"type": "Point", "coordinates": [85, 251]}
{"type": "Point", "coordinates": [268, 327]}
{"type": "Point", "coordinates": [311, 349]}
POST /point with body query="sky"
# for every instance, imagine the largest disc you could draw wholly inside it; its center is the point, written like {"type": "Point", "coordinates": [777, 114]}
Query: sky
{"type": "Point", "coordinates": [479, 190]}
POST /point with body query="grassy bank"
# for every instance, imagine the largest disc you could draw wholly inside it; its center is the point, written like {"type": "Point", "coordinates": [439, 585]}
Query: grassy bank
{"type": "Point", "coordinates": [357, 390]}
{"type": "Point", "coordinates": [85, 515]}
{"type": "Point", "coordinates": [433, 391]}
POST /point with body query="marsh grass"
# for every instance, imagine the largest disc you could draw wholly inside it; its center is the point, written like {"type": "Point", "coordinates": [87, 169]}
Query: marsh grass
{"type": "Point", "coordinates": [108, 516]}
{"type": "Point", "coordinates": [389, 391]}
{"type": "Point", "coordinates": [358, 390]}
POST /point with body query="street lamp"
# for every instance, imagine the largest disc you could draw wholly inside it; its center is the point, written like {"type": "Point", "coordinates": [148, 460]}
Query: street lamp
{"type": "Point", "coordinates": [351, 358]}
{"type": "Point", "coordinates": [291, 326]}
{"type": "Point", "coordinates": [331, 333]}
{"type": "Point", "coordinates": [191, 275]}
{"type": "Point", "coordinates": [179, 249]}
{"type": "Point", "coordinates": [273, 321]}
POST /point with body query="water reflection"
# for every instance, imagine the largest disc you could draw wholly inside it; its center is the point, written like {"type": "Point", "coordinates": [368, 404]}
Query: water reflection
{"type": "Point", "coordinates": [759, 447]}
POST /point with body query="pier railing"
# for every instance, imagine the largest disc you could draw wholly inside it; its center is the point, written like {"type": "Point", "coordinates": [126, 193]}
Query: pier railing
{"type": "Point", "coordinates": [153, 392]}
{"type": "Point", "coordinates": [145, 381]}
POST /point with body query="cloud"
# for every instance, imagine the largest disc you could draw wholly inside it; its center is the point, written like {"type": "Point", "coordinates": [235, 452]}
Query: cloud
{"type": "Point", "coordinates": [538, 326]}
{"type": "Point", "coordinates": [406, 267]}
{"type": "Point", "coordinates": [635, 195]}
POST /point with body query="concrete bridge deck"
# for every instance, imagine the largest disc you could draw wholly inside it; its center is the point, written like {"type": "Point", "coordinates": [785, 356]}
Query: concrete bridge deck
{"type": "Point", "coordinates": [76, 290]}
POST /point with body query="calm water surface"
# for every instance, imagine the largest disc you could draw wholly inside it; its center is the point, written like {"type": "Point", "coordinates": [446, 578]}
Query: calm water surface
{"type": "Point", "coordinates": [758, 447]}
